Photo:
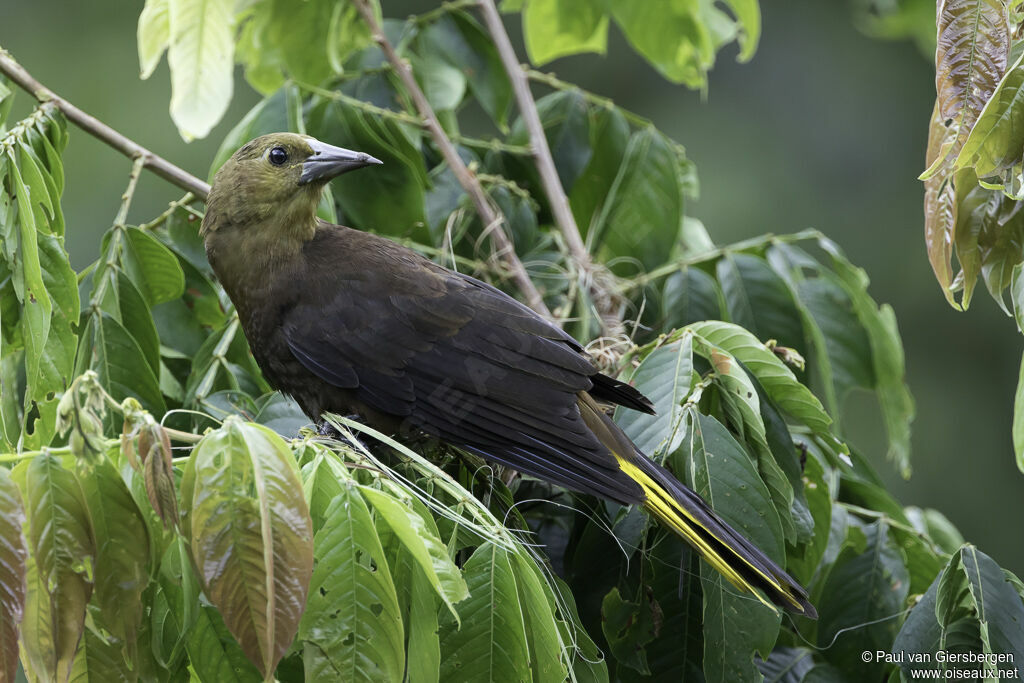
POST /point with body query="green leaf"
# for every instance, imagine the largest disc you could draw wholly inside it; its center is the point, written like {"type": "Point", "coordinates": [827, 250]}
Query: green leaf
{"type": "Point", "coordinates": [564, 116]}
{"type": "Point", "coordinates": [643, 212]}
{"type": "Point", "coordinates": [110, 350]}
{"type": "Point", "coordinates": [458, 39]}
{"type": "Point", "coordinates": [759, 300]}
{"type": "Point", "coordinates": [122, 553]}
{"type": "Point", "coordinates": [60, 569]}
{"type": "Point", "coordinates": [542, 633]}
{"type": "Point", "coordinates": [777, 379]}
{"type": "Point", "coordinates": [867, 584]}
{"type": "Point", "coordinates": [665, 376]}
{"type": "Point", "coordinates": [887, 356]}
{"type": "Point", "coordinates": [154, 34]}
{"type": "Point", "coordinates": [556, 28]}
{"type": "Point", "coordinates": [423, 663]}
{"type": "Point", "coordinates": [492, 646]}
{"type": "Point", "coordinates": [628, 626]}
{"type": "Point", "coordinates": [137, 320]}
{"type": "Point", "coordinates": [609, 135]}
{"type": "Point", "coordinates": [419, 537]}
{"type": "Point", "coordinates": [999, 609]}
{"type": "Point", "coordinates": [688, 296]}
{"type": "Point", "coordinates": [152, 267]}
{"type": "Point", "coordinates": [352, 629]}
{"type": "Point", "coordinates": [748, 17]}
{"type": "Point", "coordinates": [12, 573]}
{"type": "Point", "coordinates": [995, 142]}
{"type": "Point", "coordinates": [920, 634]}
{"type": "Point", "coordinates": [673, 38]}
{"type": "Point", "coordinates": [251, 536]}
{"type": "Point", "coordinates": [719, 470]}
{"type": "Point", "coordinates": [201, 57]}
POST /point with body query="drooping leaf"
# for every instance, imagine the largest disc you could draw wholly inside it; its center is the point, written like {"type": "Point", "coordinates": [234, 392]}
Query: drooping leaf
{"type": "Point", "coordinates": [493, 647]}
{"type": "Point", "coordinates": [665, 377]}
{"type": "Point", "coordinates": [154, 33]}
{"type": "Point", "coordinates": [419, 537]}
{"type": "Point", "coordinates": [868, 582]}
{"type": "Point", "coordinates": [940, 203]}
{"type": "Point", "coordinates": [122, 554]}
{"type": "Point", "coordinates": [718, 469]}
{"type": "Point", "coordinates": [997, 137]}
{"type": "Point", "coordinates": [542, 637]}
{"type": "Point", "coordinates": [970, 59]}
{"type": "Point", "coordinates": [201, 57]}
{"type": "Point", "coordinates": [60, 568]}
{"type": "Point", "coordinates": [251, 536]}
{"type": "Point", "coordinates": [556, 28]}
{"type": "Point", "coordinates": [352, 629]}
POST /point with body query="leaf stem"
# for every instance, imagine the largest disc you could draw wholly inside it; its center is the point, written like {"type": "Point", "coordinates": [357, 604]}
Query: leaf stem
{"type": "Point", "coordinates": [171, 208]}
{"type": "Point", "coordinates": [493, 221]}
{"type": "Point", "coordinates": [155, 163]}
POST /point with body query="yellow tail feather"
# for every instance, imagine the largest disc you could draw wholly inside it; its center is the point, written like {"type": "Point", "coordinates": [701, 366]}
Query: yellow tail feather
{"type": "Point", "coordinates": [663, 506]}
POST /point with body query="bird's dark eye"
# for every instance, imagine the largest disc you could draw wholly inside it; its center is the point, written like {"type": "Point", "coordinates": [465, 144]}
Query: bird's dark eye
{"type": "Point", "coordinates": [278, 156]}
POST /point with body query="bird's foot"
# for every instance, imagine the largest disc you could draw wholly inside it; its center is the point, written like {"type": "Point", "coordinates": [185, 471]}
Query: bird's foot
{"type": "Point", "coordinates": [328, 431]}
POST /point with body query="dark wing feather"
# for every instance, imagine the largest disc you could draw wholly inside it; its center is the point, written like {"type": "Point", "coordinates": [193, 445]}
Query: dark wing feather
{"type": "Point", "coordinates": [465, 362]}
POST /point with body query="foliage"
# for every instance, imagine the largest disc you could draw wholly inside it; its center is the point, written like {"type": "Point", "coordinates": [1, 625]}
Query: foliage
{"type": "Point", "coordinates": [263, 550]}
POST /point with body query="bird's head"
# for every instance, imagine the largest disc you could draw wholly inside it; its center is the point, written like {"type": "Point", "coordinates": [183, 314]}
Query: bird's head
{"type": "Point", "coordinates": [276, 178]}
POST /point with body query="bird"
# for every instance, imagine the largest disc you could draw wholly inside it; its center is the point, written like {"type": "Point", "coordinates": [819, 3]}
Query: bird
{"type": "Point", "coordinates": [352, 323]}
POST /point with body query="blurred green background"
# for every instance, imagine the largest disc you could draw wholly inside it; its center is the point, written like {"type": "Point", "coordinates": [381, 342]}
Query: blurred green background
{"type": "Point", "coordinates": [825, 128]}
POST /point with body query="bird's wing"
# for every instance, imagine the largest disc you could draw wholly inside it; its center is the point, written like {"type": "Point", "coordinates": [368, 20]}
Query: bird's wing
{"type": "Point", "coordinates": [466, 363]}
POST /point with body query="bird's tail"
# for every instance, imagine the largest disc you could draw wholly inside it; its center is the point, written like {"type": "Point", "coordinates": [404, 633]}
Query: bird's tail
{"type": "Point", "coordinates": [686, 513]}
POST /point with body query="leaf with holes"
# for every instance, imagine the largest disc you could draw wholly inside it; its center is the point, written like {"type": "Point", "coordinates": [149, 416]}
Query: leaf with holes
{"type": "Point", "coordinates": [352, 629]}
{"type": "Point", "coordinates": [493, 646]}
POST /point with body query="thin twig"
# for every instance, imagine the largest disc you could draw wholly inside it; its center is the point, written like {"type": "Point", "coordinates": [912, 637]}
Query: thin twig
{"type": "Point", "coordinates": [489, 215]}
{"type": "Point", "coordinates": [171, 208]}
{"type": "Point", "coordinates": [599, 280]}
{"type": "Point", "coordinates": [553, 81]}
{"type": "Point", "coordinates": [129, 192]}
{"type": "Point", "coordinates": [98, 129]}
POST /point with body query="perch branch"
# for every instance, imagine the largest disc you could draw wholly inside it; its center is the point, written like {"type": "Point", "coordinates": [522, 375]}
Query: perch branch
{"type": "Point", "coordinates": [469, 182]}
{"type": "Point", "coordinates": [96, 128]}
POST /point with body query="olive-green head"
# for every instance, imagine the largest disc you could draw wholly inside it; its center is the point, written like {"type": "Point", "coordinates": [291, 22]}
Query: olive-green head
{"type": "Point", "coordinates": [276, 177]}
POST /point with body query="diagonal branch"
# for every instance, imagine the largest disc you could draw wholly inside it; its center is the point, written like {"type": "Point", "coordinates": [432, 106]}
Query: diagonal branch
{"type": "Point", "coordinates": [599, 281]}
{"type": "Point", "coordinates": [155, 163]}
{"type": "Point", "coordinates": [470, 183]}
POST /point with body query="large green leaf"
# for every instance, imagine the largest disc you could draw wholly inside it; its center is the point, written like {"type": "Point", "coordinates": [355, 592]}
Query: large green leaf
{"type": "Point", "coordinates": [123, 370]}
{"type": "Point", "coordinates": [665, 376]}
{"type": "Point", "coordinates": [867, 585]}
{"type": "Point", "coordinates": [556, 28]}
{"type": "Point", "coordinates": [542, 635]}
{"type": "Point", "coordinates": [152, 267]}
{"type": "Point", "coordinates": [643, 212]}
{"type": "Point", "coordinates": [122, 553]}
{"type": "Point", "coordinates": [492, 646]}
{"type": "Point", "coordinates": [996, 140]}
{"type": "Point", "coordinates": [251, 536]}
{"type": "Point", "coordinates": [60, 569]}
{"type": "Point", "coordinates": [674, 38]}
{"type": "Point", "coordinates": [777, 379]}
{"type": "Point", "coordinates": [201, 57]}
{"type": "Point", "coordinates": [12, 573]}
{"type": "Point", "coordinates": [419, 537]}
{"type": "Point", "coordinates": [718, 469]}
{"type": "Point", "coordinates": [352, 629]}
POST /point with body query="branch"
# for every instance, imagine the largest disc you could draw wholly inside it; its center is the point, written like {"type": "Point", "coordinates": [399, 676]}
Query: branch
{"type": "Point", "coordinates": [600, 282]}
{"type": "Point", "coordinates": [470, 183]}
{"type": "Point", "coordinates": [157, 164]}
{"type": "Point", "coordinates": [541, 152]}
